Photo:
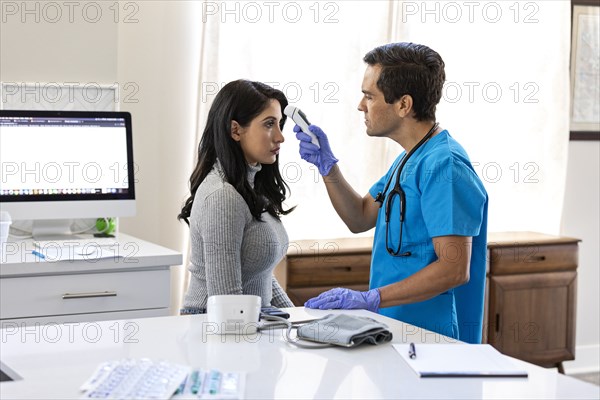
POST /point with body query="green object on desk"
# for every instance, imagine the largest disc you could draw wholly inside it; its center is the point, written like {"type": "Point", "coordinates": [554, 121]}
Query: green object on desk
{"type": "Point", "coordinates": [106, 226]}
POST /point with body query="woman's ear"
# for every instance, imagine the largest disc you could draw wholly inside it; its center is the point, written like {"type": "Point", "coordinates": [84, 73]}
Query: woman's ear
{"type": "Point", "coordinates": [236, 130]}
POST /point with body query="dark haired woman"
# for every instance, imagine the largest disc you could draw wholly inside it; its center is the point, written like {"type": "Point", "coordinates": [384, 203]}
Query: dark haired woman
{"type": "Point", "coordinates": [237, 192]}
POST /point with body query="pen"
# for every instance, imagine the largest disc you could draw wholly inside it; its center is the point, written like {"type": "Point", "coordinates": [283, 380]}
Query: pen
{"type": "Point", "coordinates": [181, 387]}
{"type": "Point", "coordinates": [412, 352]}
{"type": "Point", "coordinates": [38, 254]}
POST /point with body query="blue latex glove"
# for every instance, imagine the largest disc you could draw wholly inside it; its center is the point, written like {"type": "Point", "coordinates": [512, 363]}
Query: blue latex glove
{"type": "Point", "coordinates": [323, 157]}
{"type": "Point", "coordinates": [346, 299]}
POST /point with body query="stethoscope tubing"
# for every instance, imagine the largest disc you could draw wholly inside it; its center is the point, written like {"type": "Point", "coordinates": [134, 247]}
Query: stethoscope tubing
{"type": "Point", "coordinates": [397, 190]}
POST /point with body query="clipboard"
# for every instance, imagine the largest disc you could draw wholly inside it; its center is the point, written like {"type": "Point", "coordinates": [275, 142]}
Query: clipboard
{"type": "Point", "coordinates": [459, 361]}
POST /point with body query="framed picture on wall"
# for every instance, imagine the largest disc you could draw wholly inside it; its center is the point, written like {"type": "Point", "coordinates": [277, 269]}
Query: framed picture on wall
{"type": "Point", "coordinates": [585, 70]}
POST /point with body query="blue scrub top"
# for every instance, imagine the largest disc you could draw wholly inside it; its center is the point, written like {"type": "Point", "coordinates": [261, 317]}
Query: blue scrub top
{"type": "Point", "coordinates": [444, 196]}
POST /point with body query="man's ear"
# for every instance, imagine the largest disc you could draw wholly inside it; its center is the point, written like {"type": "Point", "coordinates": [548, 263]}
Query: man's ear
{"type": "Point", "coordinates": [404, 105]}
{"type": "Point", "coordinates": [236, 130]}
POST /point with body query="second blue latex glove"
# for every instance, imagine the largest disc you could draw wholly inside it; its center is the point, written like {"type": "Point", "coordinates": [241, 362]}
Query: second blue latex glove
{"type": "Point", "coordinates": [322, 157]}
{"type": "Point", "coordinates": [346, 299]}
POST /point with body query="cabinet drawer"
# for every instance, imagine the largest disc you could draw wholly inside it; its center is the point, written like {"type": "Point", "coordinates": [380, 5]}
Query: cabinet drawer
{"type": "Point", "coordinates": [527, 258]}
{"type": "Point", "coordinates": [339, 270]}
{"type": "Point", "coordinates": [83, 293]}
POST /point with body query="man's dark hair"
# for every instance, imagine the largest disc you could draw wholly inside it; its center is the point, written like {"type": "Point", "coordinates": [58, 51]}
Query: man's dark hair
{"type": "Point", "coordinates": [410, 69]}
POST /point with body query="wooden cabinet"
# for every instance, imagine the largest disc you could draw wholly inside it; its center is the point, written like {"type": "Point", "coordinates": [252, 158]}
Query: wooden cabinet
{"type": "Point", "coordinates": [531, 296]}
{"type": "Point", "coordinates": [530, 291]}
{"type": "Point", "coordinates": [314, 266]}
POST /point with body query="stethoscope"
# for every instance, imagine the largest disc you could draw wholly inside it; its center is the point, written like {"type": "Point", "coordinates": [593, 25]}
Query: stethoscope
{"type": "Point", "coordinates": [397, 191]}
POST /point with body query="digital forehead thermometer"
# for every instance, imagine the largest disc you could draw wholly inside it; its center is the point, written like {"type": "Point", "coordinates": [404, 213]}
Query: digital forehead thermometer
{"type": "Point", "coordinates": [300, 119]}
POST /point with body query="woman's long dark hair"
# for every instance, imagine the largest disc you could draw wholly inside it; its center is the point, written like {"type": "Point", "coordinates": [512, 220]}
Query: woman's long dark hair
{"type": "Point", "coordinates": [241, 101]}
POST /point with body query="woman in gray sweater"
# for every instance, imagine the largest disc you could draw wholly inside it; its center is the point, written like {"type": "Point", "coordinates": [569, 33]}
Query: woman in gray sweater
{"type": "Point", "coordinates": [237, 192]}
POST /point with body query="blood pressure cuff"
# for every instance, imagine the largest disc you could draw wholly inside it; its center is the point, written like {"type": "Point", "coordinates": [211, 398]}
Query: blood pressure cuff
{"type": "Point", "coordinates": [345, 330]}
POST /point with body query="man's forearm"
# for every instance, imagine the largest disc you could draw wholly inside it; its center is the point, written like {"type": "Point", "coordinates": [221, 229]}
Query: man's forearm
{"type": "Point", "coordinates": [451, 269]}
{"type": "Point", "coordinates": [423, 285]}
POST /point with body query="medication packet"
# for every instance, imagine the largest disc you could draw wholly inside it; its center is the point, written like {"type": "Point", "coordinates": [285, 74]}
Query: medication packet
{"type": "Point", "coordinates": [212, 384]}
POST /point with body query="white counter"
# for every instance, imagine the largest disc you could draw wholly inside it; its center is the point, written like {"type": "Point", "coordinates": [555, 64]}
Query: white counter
{"type": "Point", "coordinates": [54, 360]}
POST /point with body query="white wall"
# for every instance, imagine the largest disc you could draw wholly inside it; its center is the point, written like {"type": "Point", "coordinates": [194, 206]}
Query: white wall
{"type": "Point", "coordinates": [581, 219]}
{"type": "Point", "coordinates": [158, 56]}
{"type": "Point", "coordinates": [35, 49]}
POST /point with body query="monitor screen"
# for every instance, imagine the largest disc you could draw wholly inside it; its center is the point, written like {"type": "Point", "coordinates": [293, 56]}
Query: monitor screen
{"type": "Point", "coordinates": [66, 164]}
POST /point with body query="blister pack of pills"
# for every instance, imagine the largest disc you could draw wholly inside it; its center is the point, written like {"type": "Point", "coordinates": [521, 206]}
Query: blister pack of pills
{"type": "Point", "coordinates": [135, 379]}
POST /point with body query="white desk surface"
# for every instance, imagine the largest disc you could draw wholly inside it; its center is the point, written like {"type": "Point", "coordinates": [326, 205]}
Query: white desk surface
{"type": "Point", "coordinates": [55, 360]}
{"type": "Point", "coordinates": [132, 253]}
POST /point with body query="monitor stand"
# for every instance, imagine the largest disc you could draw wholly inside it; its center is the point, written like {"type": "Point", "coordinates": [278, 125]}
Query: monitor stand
{"type": "Point", "coordinates": [53, 229]}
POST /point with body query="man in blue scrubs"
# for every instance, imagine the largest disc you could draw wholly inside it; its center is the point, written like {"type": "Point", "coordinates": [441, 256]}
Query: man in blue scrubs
{"type": "Point", "coordinates": [429, 211]}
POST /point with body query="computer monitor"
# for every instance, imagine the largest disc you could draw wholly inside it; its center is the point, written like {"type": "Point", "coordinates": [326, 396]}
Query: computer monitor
{"type": "Point", "coordinates": [57, 166]}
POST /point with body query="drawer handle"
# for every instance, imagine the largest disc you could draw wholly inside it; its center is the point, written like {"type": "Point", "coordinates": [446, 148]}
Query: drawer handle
{"type": "Point", "coordinates": [537, 258]}
{"type": "Point", "coordinates": [69, 296]}
{"type": "Point", "coordinates": [347, 269]}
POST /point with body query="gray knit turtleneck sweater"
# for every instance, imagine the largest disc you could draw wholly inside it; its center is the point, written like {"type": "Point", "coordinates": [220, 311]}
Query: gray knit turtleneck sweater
{"type": "Point", "coordinates": [232, 253]}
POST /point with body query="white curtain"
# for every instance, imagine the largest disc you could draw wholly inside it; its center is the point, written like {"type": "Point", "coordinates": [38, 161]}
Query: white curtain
{"type": "Point", "coordinates": [505, 100]}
